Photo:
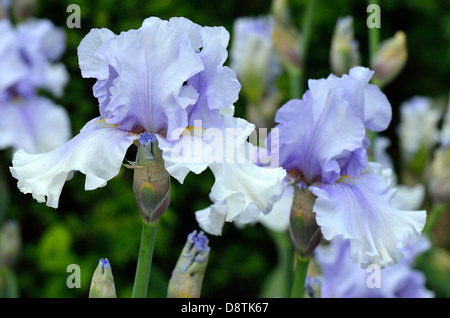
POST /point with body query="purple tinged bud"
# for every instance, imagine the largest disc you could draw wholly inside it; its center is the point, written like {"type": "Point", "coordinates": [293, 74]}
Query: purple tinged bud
{"type": "Point", "coordinates": [102, 284]}
{"type": "Point", "coordinates": [151, 182]}
{"type": "Point", "coordinates": [304, 232]}
{"type": "Point", "coordinates": [187, 277]}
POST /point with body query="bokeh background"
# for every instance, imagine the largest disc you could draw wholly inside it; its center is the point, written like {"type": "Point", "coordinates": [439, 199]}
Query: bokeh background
{"type": "Point", "coordinates": [89, 225]}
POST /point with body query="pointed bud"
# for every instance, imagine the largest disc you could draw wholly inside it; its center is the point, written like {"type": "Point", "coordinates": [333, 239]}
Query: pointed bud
{"type": "Point", "coordinates": [187, 277]}
{"type": "Point", "coordinates": [151, 182]}
{"type": "Point", "coordinates": [344, 53]}
{"type": "Point", "coordinates": [390, 59]}
{"type": "Point", "coordinates": [303, 229]}
{"type": "Point", "coordinates": [286, 37]}
{"type": "Point", "coordinates": [10, 243]}
{"type": "Point", "coordinates": [102, 284]}
{"type": "Point", "coordinates": [439, 184]}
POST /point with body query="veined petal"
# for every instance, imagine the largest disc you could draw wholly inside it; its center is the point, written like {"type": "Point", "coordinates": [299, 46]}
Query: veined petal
{"type": "Point", "coordinates": [147, 91]}
{"type": "Point", "coordinates": [35, 125]}
{"type": "Point", "coordinates": [217, 85]}
{"type": "Point", "coordinates": [97, 151]}
{"type": "Point", "coordinates": [360, 210]}
{"type": "Point", "coordinates": [366, 100]}
{"type": "Point", "coordinates": [319, 137]}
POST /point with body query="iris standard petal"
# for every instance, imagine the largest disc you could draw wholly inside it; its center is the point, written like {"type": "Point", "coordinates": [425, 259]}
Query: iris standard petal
{"type": "Point", "coordinates": [147, 91]}
{"type": "Point", "coordinates": [359, 209]}
{"type": "Point", "coordinates": [97, 151]}
{"type": "Point", "coordinates": [366, 100]}
{"type": "Point", "coordinates": [320, 134]}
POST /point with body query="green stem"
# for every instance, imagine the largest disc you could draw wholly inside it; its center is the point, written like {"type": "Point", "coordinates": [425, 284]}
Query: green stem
{"type": "Point", "coordinates": [145, 259]}
{"type": "Point", "coordinates": [297, 78]}
{"type": "Point", "coordinates": [374, 36]}
{"type": "Point", "coordinates": [433, 218]}
{"type": "Point", "coordinates": [298, 286]}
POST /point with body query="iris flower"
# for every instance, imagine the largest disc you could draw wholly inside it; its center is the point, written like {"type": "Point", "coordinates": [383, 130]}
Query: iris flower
{"type": "Point", "coordinates": [28, 54]}
{"type": "Point", "coordinates": [164, 80]}
{"type": "Point", "coordinates": [322, 144]}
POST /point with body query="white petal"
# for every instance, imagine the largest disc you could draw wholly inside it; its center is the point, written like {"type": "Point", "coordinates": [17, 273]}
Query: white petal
{"type": "Point", "coordinates": [90, 65]}
{"type": "Point", "coordinates": [97, 151]}
{"type": "Point", "coordinates": [278, 218]}
{"type": "Point", "coordinates": [360, 210]}
{"type": "Point", "coordinates": [212, 219]}
{"type": "Point", "coordinates": [245, 184]}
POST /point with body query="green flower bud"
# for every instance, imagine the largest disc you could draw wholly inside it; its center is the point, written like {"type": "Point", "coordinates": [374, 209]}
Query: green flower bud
{"type": "Point", "coordinates": [390, 59]}
{"type": "Point", "coordinates": [286, 37]}
{"type": "Point", "coordinates": [23, 9]}
{"type": "Point", "coordinates": [102, 284]}
{"type": "Point", "coordinates": [344, 53]}
{"type": "Point", "coordinates": [187, 277]}
{"type": "Point", "coordinates": [151, 182]}
{"type": "Point", "coordinates": [10, 243]}
{"type": "Point", "coordinates": [303, 229]}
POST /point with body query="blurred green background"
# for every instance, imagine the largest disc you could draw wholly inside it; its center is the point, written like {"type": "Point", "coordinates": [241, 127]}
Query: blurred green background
{"type": "Point", "coordinates": [90, 225]}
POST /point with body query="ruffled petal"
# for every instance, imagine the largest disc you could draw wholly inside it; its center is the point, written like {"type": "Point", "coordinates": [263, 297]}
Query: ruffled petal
{"type": "Point", "coordinates": [360, 210]}
{"type": "Point", "coordinates": [318, 135]}
{"type": "Point", "coordinates": [212, 219]}
{"type": "Point", "coordinates": [243, 184]}
{"type": "Point", "coordinates": [217, 85]}
{"type": "Point", "coordinates": [366, 100]}
{"type": "Point", "coordinates": [90, 64]}
{"type": "Point", "coordinates": [35, 125]}
{"type": "Point", "coordinates": [147, 91]}
{"type": "Point", "coordinates": [97, 151]}
{"type": "Point", "coordinates": [278, 218]}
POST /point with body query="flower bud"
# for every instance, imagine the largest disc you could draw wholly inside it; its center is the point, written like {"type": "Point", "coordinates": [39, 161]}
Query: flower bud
{"type": "Point", "coordinates": [10, 243]}
{"type": "Point", "coordinates": [23, 9]}
{"type": "Point", "coordinates": [304, 232]}
{"type": "Point", "coordinates": [439, 184]}
{"type": "Point", "coordinates": [102, 284]}
{"type": "Point", "coordinates": [286, 37]}
{"type": "Point", "coordinates": [390, 59]}
{"type": "Point", "coordinates": [151, 184]}
{"type": "Point", "coordinates": [253, 57]}
{"type": "Point", "coordinates": [344, 53]}
{"type": "Point", "coordinates": [187, 276]}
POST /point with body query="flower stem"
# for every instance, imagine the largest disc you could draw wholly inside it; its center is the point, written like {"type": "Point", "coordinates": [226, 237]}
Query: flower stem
{"type": "Point", "coordinates": [432, 218]}
{"type": "Point", "coordinates": [298, 286]}
{"type": "Point", "coordinates": [374, 36]}
{"type": "Point", "coordinates": [145, 259]}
